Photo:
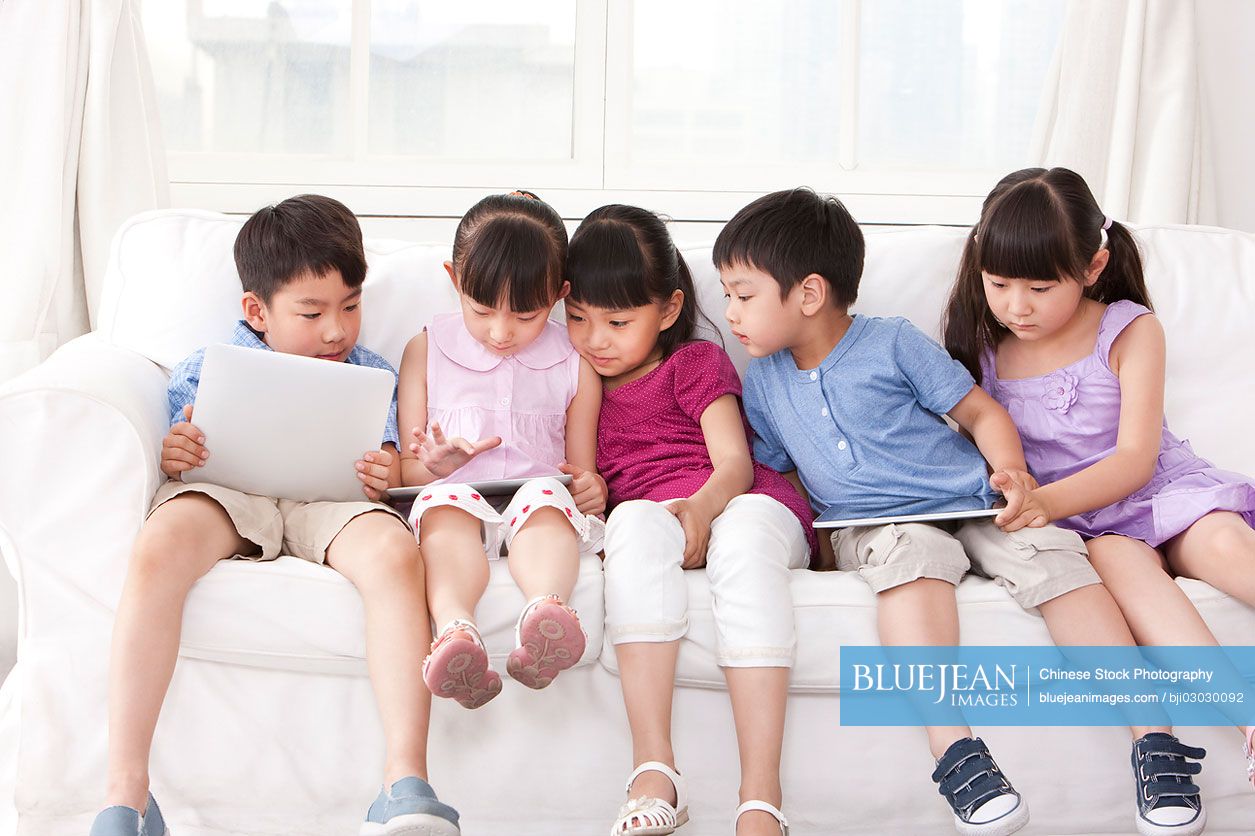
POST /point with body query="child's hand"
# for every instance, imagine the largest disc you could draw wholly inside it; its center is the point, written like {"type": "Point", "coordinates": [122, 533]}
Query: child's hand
{"type": "Point", "coordinates": [588, 489]}
{"type": "Point", "coordinates": [183, 447]}
{"type": "Point", "coordinates": [696, 523]}
{"type": "Point", "coordinates": [442, 455]}
{"type": "Point", "coordinates": [372, 469]}
{"type": "Point", "coordinates": [1024, 505]}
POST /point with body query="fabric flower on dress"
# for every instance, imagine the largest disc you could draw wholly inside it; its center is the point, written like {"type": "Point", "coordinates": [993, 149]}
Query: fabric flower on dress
{"type": "Point", "coordinates": [1060, 391]}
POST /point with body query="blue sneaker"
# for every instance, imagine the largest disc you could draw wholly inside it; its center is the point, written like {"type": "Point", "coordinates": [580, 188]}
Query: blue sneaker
{"type": "Point", "coordinates": [124, 821]}
{"type": "Point", "coordinates": [982, 799]}
{"type": "Point", "coordinates": [410, 808]}
{"type": "Point", "coordinates": [1169, 803]}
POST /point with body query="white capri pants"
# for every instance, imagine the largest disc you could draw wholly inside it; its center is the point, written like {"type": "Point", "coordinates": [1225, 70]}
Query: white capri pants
{"type": "Point", "coordinates": [753, 545]}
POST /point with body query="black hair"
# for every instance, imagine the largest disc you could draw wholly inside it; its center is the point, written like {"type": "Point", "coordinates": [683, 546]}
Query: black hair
{"type": "Point", "coordinates": [306, 234]}
{"type": "Point", "coordinates": [623, 257]}
{"type": "Point", "coordinates": [791, 234]}
{"type": "Point", "coordinates": [511, 249]}
{"type": "Point", "coordinates": [1041, 224]}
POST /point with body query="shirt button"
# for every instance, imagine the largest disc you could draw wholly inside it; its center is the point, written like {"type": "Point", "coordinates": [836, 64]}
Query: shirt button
{"type": "Point", "coordinates": [505, 401]}
{"type": "Point", "coordinates": [841, 445]}
{"type": "Point", "coordinates": [824, 412]}
{"type": "Point", "coordinates": [814, 375]}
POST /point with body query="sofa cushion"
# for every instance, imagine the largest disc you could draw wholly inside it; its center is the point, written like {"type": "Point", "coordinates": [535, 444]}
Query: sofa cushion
{"type": "Point", "coordinates": [838, 608]}
{"type": "Point", "coordinates": [290, 614]}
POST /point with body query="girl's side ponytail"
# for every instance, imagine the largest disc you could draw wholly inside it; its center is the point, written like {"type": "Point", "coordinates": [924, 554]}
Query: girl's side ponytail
{"type": "Point", "coordinates": [1123, 277]}
{"type": "Point", "coordinates": [684, 328]}
{"type": "Point", "coordinates": [968, 326]}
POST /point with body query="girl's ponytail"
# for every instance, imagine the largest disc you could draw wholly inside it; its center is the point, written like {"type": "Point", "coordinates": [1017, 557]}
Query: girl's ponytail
{"type": "Point", "coordinates": [1123, 277]}
{"type": "Point", "coordinates": [967, 324]}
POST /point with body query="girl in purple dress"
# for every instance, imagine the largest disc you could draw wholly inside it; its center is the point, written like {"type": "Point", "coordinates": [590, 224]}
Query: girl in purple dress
{"type": "Point", "coordinates": [1050, 313]}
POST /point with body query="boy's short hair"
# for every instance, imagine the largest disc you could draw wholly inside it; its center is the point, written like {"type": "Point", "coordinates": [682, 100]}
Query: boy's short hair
{"type": "Point", "coordinates": [309, 233]}
{"type": "Point", "coordinates": [791, 234]}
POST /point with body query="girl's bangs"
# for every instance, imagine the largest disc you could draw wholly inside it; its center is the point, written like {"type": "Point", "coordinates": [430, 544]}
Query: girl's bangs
{"type": "Point", "coordinates": [512, 262]}
{"type": "Point", "coordinates": [1025, 236]}
{"type": "Point", "coordinates": [606, 267]}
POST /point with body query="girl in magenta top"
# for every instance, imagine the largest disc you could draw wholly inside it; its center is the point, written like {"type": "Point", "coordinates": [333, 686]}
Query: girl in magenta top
{"type": "Point", "coordinates": [1050, 313]}
{"type": "Point", "coordinates": [673, 445]}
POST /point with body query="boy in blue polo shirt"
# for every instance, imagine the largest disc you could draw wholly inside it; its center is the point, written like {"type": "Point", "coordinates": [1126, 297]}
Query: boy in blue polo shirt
{"type": "Point", "coordinates": [848, 405]}
{"type": "Point", "coordinates": [302, 265]}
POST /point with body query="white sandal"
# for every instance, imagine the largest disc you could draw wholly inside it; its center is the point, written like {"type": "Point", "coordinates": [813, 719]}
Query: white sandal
{"type": "Point", "coordinates": [766, 808]}
{"type": "Point", "coordinates": [652, 816]}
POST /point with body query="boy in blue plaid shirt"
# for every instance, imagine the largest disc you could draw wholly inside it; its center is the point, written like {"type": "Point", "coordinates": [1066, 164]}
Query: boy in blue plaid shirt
{"type": "Point", "coordinates": [302, 265]}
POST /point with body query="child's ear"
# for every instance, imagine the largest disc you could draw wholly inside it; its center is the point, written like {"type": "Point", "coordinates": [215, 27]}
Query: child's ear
{"type": "Point", "coordinates": [255, 312]}
{"type": "Point", "coordinates": [671, 309]}
{"type": "Point", "coordinates": [1096, 265]}
{"type": "Point", "coordinates": [814, 290]}
{"type": "Point", "coordinates": [564, 292]}
{"type": "Point", "coordinates": [453, 277]}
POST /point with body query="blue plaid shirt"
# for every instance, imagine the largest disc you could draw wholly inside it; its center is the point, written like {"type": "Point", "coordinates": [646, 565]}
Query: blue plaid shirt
{"type": "Point", "coordinates": [186, 377]}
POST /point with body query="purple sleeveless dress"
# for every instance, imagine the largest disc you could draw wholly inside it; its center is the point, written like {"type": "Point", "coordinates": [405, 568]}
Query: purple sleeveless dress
{"type": "Point", "coordinates": [1068, 419]}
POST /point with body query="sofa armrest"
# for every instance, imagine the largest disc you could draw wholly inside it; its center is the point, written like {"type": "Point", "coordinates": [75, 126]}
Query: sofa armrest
{"type": "Point", "coordinates": [80, 441]}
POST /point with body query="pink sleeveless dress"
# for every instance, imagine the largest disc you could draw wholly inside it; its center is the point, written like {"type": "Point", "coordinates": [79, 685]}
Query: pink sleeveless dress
{"type": "Point", "coordinates": [1068, 419]}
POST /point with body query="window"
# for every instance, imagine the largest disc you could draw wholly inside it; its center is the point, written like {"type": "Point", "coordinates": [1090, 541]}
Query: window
{"type": "Point", "coordinates": [692, 106]}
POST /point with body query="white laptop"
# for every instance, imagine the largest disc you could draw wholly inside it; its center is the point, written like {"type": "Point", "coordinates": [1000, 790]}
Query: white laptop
{"type": "Point", "coordinates": [287, 426]}
{"type": "Point", "coordinates": [873, 509]}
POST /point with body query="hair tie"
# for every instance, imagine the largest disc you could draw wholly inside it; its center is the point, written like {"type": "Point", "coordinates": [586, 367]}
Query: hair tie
{"type": "Point", "coordinates": [1102, 232]}
{"type": "Point", "coordinates": [1106, 222]}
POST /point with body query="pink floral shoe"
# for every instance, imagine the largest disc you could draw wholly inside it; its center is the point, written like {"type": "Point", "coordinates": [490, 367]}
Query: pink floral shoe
{"type": "Point", "coordinates": [457, 666]}
{"type": "Point", "coordinates": [549, 640]}
{"type": "Point", "coordinates": [1248, 749]}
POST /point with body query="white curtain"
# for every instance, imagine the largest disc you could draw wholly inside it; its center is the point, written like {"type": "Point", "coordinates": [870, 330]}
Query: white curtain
{"type": "Point", "coordinates": [1122, 108]}
{"type": "Point", "coordinates": [80, 151]}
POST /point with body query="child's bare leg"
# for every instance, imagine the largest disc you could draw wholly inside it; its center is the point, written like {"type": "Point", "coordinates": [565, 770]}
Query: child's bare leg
{"type": "Point", "coordinates": [922, 612]}
{"type": "Point", "coordinates": [1158, 612]}
{"type": "Point", "coordinates": [1088, 615]}
{"type": "Point", "coordinates": [544, 555]}
{"type": "Point", "coordinates": [457, 569]}
{"type": "Point", "coordinates": [379, 556]}
{"type": "Point", "coordinates": [178, 544]}
{"type": "Point", "coordinates": [758, 706]}
{"type": "Point", "coordinates": [647, 676]}
{"type": "Point", "coordinates": [1218, 549]}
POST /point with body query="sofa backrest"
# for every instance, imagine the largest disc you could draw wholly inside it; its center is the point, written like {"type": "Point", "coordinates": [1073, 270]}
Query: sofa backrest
{"type": "Point", "coordinates": [172, 287]}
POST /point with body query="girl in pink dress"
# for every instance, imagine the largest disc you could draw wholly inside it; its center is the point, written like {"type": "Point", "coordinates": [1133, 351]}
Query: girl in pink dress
{"type": "Point", "coordinates": [498, 392]}
{"type": "Point", "coordinates": [673, 445]}
{"type": "Point", "coordinates": [1050, 313]}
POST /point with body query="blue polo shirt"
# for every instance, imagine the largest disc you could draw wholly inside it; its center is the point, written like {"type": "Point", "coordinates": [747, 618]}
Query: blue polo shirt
{"type": "Point", "coordinates": [868, 418]}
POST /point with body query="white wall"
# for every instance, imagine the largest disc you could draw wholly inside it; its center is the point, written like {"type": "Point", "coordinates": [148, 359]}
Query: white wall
{"type": "Point", "coordinates": [1226, 33]}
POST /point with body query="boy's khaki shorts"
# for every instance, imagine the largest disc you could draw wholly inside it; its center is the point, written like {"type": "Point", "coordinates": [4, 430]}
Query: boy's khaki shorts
{"type": "Point", "coordinates": [302, 529]}
{"type": "Point", "coordinates": [1034, 564]}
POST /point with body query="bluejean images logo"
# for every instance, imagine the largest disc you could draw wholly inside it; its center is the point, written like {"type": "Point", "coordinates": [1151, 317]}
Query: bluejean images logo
{"type": "Point", "coordinates": [958, 684]}
{"type": "Point", "coordinates": [1047, 686]}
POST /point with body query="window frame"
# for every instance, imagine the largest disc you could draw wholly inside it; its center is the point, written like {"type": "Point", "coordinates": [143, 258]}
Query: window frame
{"type": "Point", "coordinates": [597, 173]}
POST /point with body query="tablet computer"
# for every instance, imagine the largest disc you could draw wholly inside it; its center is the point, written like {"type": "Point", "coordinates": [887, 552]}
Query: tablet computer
{"type": "Point", "coordinates": [487, 487]}
{"type": "Point", "coordinates": [287, 426]}
{"type": "Point", "coordinates": [874, 509]}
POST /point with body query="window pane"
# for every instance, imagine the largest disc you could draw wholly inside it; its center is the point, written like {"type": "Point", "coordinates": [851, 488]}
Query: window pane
{"type": "Point", "coordinates": [734, 81]}
{"type": "Point", "coordinates": [492, 79]}
{"type": "Point", "coordinates": [952, 84]}
{"type": "Point", "coordinates": [248, 76]}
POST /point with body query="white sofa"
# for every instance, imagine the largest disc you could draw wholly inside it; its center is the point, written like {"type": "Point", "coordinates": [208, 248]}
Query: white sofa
{"type": "Point", "coordinates": [270, 726]}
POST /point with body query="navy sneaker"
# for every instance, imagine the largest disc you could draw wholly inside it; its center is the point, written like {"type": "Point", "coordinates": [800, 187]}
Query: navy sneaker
{"type": "Point", "coordinates": [983, 800]}
{"type": "Point", "coordinates": [409, 808]}
{"type": "Point", "coordinates": [125, 821]}
{"type": "Point", "coordinates": [1168, 802]}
